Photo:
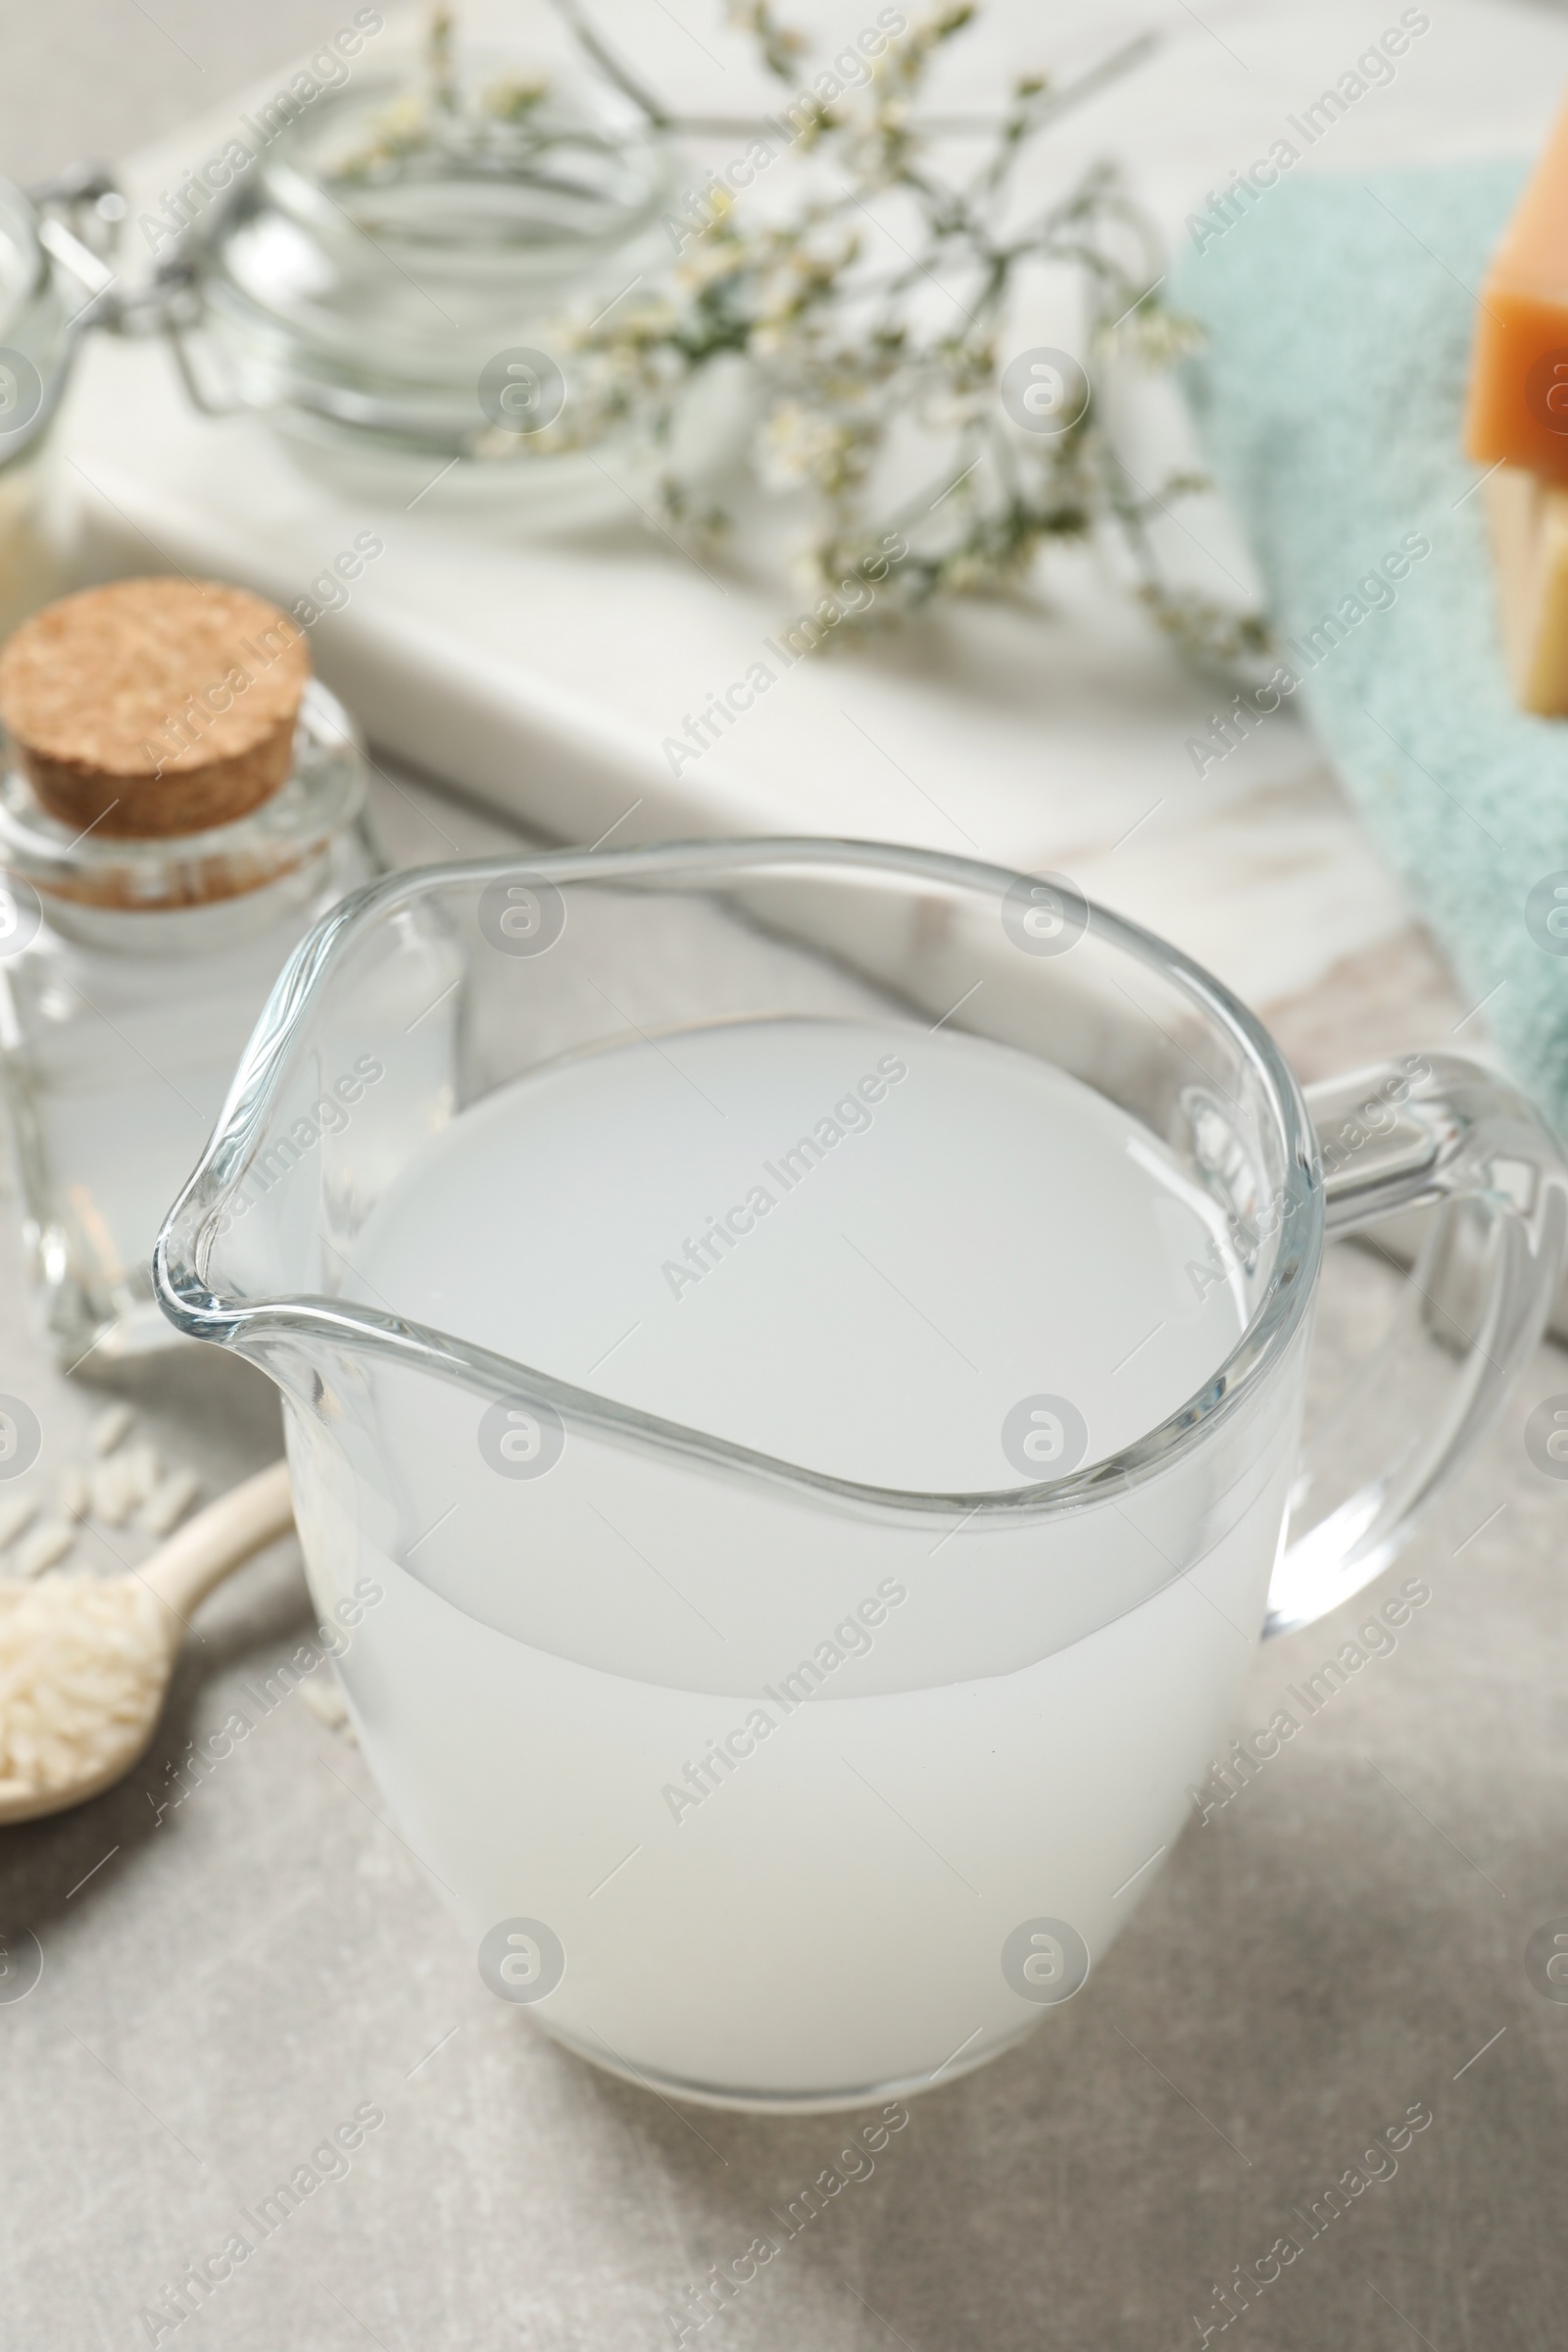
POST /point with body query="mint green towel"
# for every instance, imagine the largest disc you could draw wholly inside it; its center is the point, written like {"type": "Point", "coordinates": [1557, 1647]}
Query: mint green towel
{"type": "Point", "coordinates": [1329, 397]}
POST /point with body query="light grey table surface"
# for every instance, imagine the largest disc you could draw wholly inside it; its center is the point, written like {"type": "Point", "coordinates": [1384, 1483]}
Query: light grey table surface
{"type": "Point", "coordinates": [226, 1985]}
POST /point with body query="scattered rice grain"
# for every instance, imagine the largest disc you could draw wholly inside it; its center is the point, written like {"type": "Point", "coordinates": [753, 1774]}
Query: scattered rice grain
{"type": "Point", "coordinates": [112, 1497]}
{"type": "Point", "coordinates": [144, 1471]}
{"type": "Point", "coordinates": [14, 1512]}
{"type": "Point", "coordinates": [168, 1505]}
{"type": "Point", "coordinates": [323, 1693]}
{"type": "Point", "coordinates": [111, 1427]}
{"type": "Point", "coordinates": [72, 1494]}
{"type": "Point", "coordinates": [48, 1543]}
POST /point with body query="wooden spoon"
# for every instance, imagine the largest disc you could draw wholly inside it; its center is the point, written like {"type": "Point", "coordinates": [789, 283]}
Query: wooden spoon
{"type": "Point", "coordinates": [86, 1661]}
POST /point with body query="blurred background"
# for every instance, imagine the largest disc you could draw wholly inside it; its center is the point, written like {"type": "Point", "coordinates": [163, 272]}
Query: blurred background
{"type": "Point", "coordinates": [94, 81]}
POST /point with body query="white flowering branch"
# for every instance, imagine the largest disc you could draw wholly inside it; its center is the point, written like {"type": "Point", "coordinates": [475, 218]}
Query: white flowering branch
{"type": "Point", "coordinates": [878, 351]}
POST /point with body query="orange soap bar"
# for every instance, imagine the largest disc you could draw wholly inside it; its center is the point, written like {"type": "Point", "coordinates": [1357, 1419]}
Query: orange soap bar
{"type": "Point", "coordinates": [1518, 410]}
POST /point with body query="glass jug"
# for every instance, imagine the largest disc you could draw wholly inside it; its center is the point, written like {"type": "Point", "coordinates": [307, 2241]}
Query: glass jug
{"type": "Point", "coordinates": [890, 1865]}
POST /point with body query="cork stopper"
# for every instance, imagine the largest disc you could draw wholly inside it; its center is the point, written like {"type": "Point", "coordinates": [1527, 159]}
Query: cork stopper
{"type": "Point", "coordinates": [152, 708]}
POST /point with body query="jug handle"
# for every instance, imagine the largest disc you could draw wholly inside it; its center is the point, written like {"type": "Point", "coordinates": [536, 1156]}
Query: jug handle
{"type": "Point", "coordinates": [1427, 1131]}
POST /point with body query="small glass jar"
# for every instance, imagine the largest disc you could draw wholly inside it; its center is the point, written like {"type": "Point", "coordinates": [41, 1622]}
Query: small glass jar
{"type": "Point", "coordinates": [382, 251]}
{"type": "Point", "coordinates": [132, 974]}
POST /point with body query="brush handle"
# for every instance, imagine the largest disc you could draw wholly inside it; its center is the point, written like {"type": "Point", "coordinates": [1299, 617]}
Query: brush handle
{"type": "Point", "coordinates": [250, 1516]}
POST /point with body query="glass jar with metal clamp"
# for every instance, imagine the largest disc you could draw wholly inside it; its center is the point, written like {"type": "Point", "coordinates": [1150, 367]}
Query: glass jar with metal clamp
{"type": "Point", "coordinates": [55, 282]}
{"type": "Point", "coordinates": [385, 279]}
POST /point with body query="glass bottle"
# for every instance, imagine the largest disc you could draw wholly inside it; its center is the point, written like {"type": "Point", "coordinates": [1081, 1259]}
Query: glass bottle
{"type": "Point", "coordinates": [131, 973]}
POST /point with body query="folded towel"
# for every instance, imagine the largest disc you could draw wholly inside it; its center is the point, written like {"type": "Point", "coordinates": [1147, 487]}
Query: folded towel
{"type": "Point", "coordinates": [1329, 396]}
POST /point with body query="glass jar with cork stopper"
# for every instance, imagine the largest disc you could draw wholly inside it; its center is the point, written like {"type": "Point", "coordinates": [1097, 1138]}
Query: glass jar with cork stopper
{"type": "Point", "coordinates": [179, 801]}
